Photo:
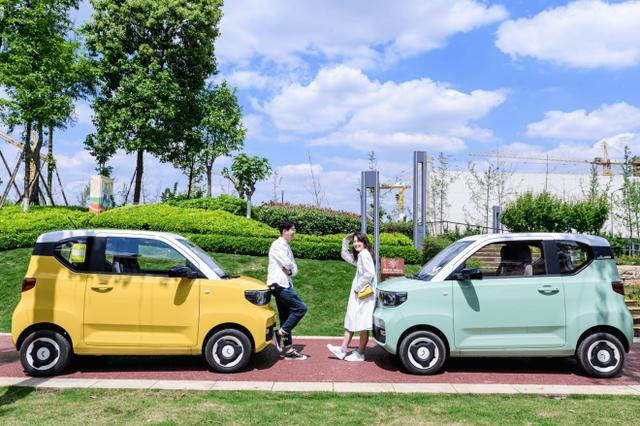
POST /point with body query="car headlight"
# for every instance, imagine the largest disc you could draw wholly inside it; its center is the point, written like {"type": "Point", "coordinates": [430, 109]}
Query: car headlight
{"type": "Point", "coordinates": [392, 298]}
{"type": "Point", "coordinates": [258, 297]}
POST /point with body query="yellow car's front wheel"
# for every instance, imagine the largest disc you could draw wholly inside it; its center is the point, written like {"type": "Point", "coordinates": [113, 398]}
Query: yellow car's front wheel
{"type": "Point", "coordinates": [228, 351]}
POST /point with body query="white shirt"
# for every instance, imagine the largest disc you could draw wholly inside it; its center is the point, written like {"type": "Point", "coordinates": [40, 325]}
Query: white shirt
{"type": "Point", "coordinates": [280, 255]}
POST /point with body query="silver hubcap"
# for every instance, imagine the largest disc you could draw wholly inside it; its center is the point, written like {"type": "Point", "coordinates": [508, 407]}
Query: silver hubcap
{"type": "Point", "coordinates": [603, 356]}
{"type": "Point", "coordinates": [423, 353]}
{"type": "Point", "coordinates": [228, 351]}
{"type": "Point", "coordinates": [43, 353]}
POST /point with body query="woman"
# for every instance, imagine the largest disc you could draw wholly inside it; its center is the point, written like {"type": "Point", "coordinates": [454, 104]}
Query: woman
{"type": "Point", "coordinates": [359, 316]}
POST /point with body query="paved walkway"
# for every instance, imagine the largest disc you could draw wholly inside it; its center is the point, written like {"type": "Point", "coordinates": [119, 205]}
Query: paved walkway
{"type": "Point", "coordinates": [322, 372]}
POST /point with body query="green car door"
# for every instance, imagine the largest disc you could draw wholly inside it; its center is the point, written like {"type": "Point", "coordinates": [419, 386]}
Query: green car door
{"type": "Point", "coordinates": [515, 305]}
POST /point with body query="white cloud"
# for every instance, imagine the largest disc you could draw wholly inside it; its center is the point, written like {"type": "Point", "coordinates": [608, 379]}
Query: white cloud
{"type": "Point", "coordinates": [582, 125]}
{"type": "Point", "coordinates": [293, 170]}
{"type": "Point", "coordinates": [281, 30]}
{"type": "Point", "coordinates": [247, 80]}
{"type": "Point", "coordinates": [583, 34]}
{"type": "Point", "coordinates": [365, 141]}
{"type": "Point", "coordinates": [343, 97]}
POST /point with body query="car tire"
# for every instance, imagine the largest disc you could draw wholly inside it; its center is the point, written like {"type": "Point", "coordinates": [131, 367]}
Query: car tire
{"type": "Point", "coordinates": [422, 352]}
{"type": "Point", "coordinates": [601, 355]}
{"type": "Point", "coordinates": [45, 353]}
{"type": "Point", "coordinates": [228, 351]}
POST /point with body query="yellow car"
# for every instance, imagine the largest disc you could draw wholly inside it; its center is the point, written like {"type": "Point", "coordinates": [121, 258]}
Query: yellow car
{"type": "Point", "coordinates": [113, 292]}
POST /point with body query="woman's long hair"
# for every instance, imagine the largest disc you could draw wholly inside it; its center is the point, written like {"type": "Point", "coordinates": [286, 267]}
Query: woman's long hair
{"type": "Point", "coordinates": [367, 246]}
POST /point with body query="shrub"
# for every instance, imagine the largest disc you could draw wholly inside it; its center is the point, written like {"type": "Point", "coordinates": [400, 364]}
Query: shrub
{"type": "Point", "coordinates": [405, 228]}
{"type": "Point", "coordinates": [309, 220]}
{"type": "Point", "coordinates": [21, 229]}
{"type": "Point", "coordinates": [224, 202]}
{"type": "Point", "coordinates": [433, 245]}
{"type": "Point", "coordinates": [546, 213]}
{"type": "Point", "coordinates": [213, 230]}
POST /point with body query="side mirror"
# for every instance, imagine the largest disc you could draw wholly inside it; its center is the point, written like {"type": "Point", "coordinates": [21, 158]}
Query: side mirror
{"type": "Point", "coordinates": [182, 272]}
{"type": "Point", "coordinates": [467, 274]}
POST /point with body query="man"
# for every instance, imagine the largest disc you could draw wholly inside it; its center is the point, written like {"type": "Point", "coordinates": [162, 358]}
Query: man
{"type": "Point", "coordinates": [291, 309]}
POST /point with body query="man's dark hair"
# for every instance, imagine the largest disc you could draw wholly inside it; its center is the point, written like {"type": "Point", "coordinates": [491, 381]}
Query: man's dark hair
{"type": "Point", "coordinates": [285, 225]}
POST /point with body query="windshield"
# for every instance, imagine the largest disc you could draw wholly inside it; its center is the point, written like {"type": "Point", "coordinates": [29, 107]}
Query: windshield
{"type": "Point", "coordinates": [434, 266]}
{"type": "Point", "coordinates": [202, 255]}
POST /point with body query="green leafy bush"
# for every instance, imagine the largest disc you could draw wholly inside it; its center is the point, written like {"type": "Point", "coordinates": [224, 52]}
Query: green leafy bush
{"type": "Point", "coordinates": [405, 228]}
{"type": "Point", "coordinates": [309, 220]}
{"type": "Point", "coordinates": [21, 229]}
{"type": "Point", "coordinates": [224, 202]}
{"type": "Point", "coordinates": [214, 230]}
{"type": "Point", "coordinates": [547, 213]}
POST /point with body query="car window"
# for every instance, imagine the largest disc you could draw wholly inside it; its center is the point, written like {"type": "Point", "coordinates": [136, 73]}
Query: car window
{"type": "Point", "coordinates": [73, 253]}
{"type": "Point", "coordinates": [572, 256]}
{"type": "Point", "coordinates": [140, 256]}
{"type": "Point", "coordinates": [509, 259]}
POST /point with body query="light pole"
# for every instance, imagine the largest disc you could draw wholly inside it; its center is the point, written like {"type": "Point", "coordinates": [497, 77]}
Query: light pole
{"type": "Point", "coordinates": [611, 204]}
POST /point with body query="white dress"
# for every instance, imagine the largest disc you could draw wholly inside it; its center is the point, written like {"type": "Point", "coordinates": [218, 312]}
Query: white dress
{"type": "Point", "coordinates": [359, 314]}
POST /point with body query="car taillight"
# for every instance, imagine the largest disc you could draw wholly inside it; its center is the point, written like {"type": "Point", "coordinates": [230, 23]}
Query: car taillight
{"type": "Point", "coordinates": [618, 287]}
{"type": "Point", "coordinates": [28, 284]}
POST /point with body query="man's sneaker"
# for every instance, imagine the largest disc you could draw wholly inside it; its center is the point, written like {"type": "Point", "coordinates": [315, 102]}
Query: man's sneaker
{"type": "Point", "coordinates": [337, 351]}
{"type": "Point", "coordinates": [354, 356]}
{"type": "Point", "coordinates": [295, 356]}
{"type": "Point", "coordinates": [278, 340]}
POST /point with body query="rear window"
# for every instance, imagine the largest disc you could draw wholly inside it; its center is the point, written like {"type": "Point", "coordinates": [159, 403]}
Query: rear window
{"type": "Point", "coordinates": [73, 253]}
{"type": "Point", "coordinates": [572, 256]}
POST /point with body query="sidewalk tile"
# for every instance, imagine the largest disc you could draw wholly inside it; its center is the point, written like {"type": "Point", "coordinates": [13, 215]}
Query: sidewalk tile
{"type": "Point", "coordinates": [636, 388]}
{"type": "Point", "coordinates": [423, 388]}
{"type": "Point", "coordinates": [483, 388]}
{"type": "Point", "coordinates": [228, 385]}
{"type": "Point", "coordinates": [67, 383]}
{"type": "Point", "coordinates": [10, 381]}
{"type": "Point", "coordinates": [576, 389]}
{"type": "Point", "coordinates": [124, 384]}
{"type": "Point", "coordinates": [184, 384]}
{"type": "Point", "coordinates": [363, 387]}
{"type": "Point", "coordinates": [303, 386]}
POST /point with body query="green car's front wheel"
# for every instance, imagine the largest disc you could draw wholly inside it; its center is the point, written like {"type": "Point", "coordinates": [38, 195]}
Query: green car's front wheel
{"type": "Point", "coordinates": [422, 352]}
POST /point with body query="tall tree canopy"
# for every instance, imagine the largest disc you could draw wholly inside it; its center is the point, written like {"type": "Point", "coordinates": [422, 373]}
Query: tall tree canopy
{"type": "Point", "coordinates": [39, 69]}
{"type": "Point", "coordinates": [244, 173]}
{"type": "Point", "coordinates": [151, 60]}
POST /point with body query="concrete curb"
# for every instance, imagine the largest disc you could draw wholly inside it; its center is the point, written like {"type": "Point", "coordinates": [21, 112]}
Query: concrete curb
{"type": "Point", "coordinates": [338, 387]}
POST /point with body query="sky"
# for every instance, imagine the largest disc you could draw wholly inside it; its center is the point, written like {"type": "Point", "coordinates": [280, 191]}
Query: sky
{"type": "Point", "coordinates": [323, 83]}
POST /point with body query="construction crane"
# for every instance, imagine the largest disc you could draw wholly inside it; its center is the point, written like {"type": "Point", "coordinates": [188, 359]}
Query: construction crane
{"type": "Point", "coordinates": [399, 196]}
{"type": "Point", "coordinates": [605, 161]}
{"type": "Point", "coordinates": [34, 172]}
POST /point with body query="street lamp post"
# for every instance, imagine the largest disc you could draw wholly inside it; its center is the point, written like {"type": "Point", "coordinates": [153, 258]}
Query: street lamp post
{"type": "Point", "coordinates": [611, 204]}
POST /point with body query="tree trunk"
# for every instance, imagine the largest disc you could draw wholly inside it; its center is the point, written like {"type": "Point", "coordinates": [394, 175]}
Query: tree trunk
{"type": "Point", "coordinates": [50, 160]}
{"type": "Point", "coordinates": [190, 184]}
{"type": "Point", "coordinates": [27, 168]}
{"type": "Point", "coordinates": [209, 166]}
{"type": "Point", "coordinates": [139, 169]}
{"type": "Point", "coordinates": [248, 206]}
{"type": "Point", "coordinates": [36, 190]}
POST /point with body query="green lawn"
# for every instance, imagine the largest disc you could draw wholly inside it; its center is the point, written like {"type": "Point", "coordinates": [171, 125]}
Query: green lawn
{"type": "Point", "coordinates": [112, 406]}
{"type": "Point", "coordinates": [323, 284]}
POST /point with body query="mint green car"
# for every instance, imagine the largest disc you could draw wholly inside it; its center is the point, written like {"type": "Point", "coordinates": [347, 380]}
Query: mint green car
{"type": "Point", "coordinates": [509, 295]}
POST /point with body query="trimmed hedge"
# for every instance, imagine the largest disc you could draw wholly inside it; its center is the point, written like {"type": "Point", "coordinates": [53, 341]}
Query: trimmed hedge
{"type": "Point", "coordinates": [309, 220]}
{"type": "Point", "coordinates": [233, 205]}
{"type": "Point", "coordinates": [213, 230]}
{"type": "Point", "coordinates": [20, 229]}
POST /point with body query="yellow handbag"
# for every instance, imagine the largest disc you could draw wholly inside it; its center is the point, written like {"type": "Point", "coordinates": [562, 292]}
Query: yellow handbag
{"type": "Point", "coordinates": [367, 291]}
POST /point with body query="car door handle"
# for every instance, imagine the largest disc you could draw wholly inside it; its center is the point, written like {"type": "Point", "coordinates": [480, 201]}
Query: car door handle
{"type": "Point", "coordinates": [102, 288]}
{"type": "Point", "coordinates": [547, 289]}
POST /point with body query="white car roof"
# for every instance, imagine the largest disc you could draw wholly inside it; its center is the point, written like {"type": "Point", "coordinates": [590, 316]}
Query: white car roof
{"type": "Point", "coordinates": [590, 240]}
{"type": "Point", "coordinates": [52, 237]}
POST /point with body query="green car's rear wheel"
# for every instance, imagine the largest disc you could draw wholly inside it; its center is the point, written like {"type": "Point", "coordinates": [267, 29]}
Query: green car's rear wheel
{"type": "Point", "coordinates": [601, 355]}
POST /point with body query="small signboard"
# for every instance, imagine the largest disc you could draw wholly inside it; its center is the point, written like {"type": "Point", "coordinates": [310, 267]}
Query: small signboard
{"type": "Point", "coordinates": [101, 194]}
{"type": "Point", "coordinates": [391, 267]}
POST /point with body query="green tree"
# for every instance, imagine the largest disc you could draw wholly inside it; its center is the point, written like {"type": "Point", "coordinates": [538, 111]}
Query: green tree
{"type": "Point", "coordinates": [245, 172]}
{"type": "Point", "coordinates": [150, 60]}
{"type": "Point", "coordinates": [221, 128]}
{"type": "Point", "coordinates": [41, 72]}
